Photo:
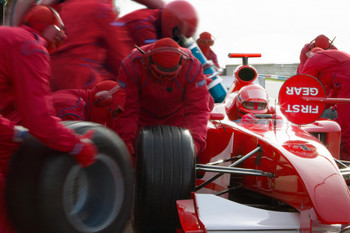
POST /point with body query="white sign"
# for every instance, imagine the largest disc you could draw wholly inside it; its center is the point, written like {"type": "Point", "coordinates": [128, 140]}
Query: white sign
{"type": "Point", "coordinates": [305, 91]}
{"type": "Point", "coordinates": [302, 108]}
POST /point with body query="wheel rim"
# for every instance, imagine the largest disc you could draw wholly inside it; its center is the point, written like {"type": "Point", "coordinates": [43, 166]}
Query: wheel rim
{"type": "Point", "coordinates": [93, 196]}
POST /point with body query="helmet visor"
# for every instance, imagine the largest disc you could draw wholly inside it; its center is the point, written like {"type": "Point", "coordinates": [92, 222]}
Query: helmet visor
{"type": "Point", "coordinates": [254, 105]}
{"type": "Point", "coordinates": [165, 73]}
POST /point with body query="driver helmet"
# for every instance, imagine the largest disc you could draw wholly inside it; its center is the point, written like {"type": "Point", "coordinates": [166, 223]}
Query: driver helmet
{"type": "Point", "coordinates": [47, 22]}
{"type": "Point", "coordinates": [252, 99]}
{"type": "Point", "coordinates": [166, 59]}
{"type": "Point", "coordinates": [178, 15]}
{"type": "Point", "coordinates": [107, 101]}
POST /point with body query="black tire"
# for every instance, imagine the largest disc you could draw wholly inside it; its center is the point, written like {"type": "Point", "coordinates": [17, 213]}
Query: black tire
{"type": "Point", "coordinates": [165, 165]}
{"type": "Point", "coordinates": [49, 192]}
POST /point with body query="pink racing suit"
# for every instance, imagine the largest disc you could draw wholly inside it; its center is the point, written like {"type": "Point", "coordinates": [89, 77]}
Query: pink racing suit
{"type": "Point", "coordinates": [332, 68]}
{"type": "Point", "coordinates": [95, 46]}
{"type": "Point", "coordinates": [182, 101]}
{"type": "Point", "coordinates": [24, 75]}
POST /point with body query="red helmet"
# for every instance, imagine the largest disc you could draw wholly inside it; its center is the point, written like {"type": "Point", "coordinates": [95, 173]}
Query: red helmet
{"type": "Point", "coordinates": [48, 23]}
{"type": "Point", "coordinates": [151, 4]}
{"type": "Point", "coordinates": [322, 41]}
{"type": "Point", "coordinates": [252, 99]}
{"type": "Point", "coordinates": [107, 101]}
{"type": "Point", "coordinates": [178, 14]}
{"type": "Point", "coordinates": [165, 58]}
{"type": "Point", "coordinates": [205, 38]}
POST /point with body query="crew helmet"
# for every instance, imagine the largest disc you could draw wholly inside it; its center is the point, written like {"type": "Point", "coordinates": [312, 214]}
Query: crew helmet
{"type": "Point", "coordinates": [205, 38]}
{"type": "Point", "coordinates": [107, 101]}
{"type": "Point", "coordinates": [165, 58]}
{"type": "Point", "coordinates": [322, 41]}
{"type": "Point", "coordinates": [178, 15]}
{"type": "Point", "coordinates": [48, 23]}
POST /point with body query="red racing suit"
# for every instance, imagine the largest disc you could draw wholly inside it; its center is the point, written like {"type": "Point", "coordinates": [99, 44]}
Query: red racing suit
{"type": "Point", "coordinates": [143, 26]}
{"type": "Point", "coordinates": [182, 101]}
{"type": "Point", "coordinates": [303, 57]}
{"type": "Point", "coordinates": [332, 68]}
{"type": "Point", "coordinates": [210, 55]}
{"type": "Point", "coordinates": [24, 75]}
{"type": "Point", "coordinates": [94, 49]}
{"type": "Point", "coordinates": [74, 105]}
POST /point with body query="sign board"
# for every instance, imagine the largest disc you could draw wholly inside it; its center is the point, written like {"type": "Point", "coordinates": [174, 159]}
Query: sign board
{"type": "Point", "coordinates": [292, 97]}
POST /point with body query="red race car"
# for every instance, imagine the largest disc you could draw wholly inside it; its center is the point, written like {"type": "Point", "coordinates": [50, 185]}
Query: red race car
{"type": "Point", "coordinates": [277, 171]}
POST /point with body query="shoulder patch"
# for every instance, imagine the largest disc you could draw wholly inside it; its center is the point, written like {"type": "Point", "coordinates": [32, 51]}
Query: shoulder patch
{"type": "Point", "coordinates": [201, 83]}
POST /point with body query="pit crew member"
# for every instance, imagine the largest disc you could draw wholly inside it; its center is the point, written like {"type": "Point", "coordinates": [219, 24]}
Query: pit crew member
{"type": "Point", "coordinates": [205, 41]}
{"type": "Point", "coordinates": [24, 75]}
{"type": "Point", "coordinates": [175, 19]}
{"type": "Point", "coordinates": [320, 41]}
{"type": "Point", "coordinates": [94, 48]}
{"type": "Point", "coordinates": [332, 68]}
{"type": "Point", "coordinates": [164, 85]}
{"type": "Point", "coordinates": [101, 104]}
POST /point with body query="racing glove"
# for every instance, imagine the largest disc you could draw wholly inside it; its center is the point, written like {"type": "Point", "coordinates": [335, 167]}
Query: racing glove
{"type": "Point", "coordinates": [85, 151]}
{"type": "Point", "coordinates": [19, 133]}
{"type": "Point", "coordinates": [248, 118]}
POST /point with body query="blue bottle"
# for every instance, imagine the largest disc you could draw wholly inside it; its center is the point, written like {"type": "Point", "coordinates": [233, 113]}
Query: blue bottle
{"type": "Point", "coordinates": [216, 88]}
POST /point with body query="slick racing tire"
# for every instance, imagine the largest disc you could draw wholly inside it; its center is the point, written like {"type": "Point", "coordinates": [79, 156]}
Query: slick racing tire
{"type": "Point", "coordinates": [165, 172]}
{"type": "Point", "coordinates": [49, 192]}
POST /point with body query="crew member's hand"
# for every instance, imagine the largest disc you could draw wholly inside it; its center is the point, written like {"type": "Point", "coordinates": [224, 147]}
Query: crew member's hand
{"type": "Point", "coordinates": [208, 80]}
{"type": "Point", "coordinates": [19, 133]}
{"type": "Point", "coordinates": [85, 152]}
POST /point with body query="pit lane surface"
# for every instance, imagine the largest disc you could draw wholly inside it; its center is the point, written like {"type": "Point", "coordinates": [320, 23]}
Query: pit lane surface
{"type": "Point", "coordinates": [128, 228]}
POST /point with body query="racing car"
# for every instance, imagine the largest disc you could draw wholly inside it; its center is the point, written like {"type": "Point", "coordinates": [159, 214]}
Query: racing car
{"type": "Point", "coordinates": [276, 173]}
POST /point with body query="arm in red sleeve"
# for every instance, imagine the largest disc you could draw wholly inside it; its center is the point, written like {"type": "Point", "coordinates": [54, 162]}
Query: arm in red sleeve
{"type": "Point", "coordinates": [127, 124]}
{"type": "Point", "coordinates": [146, 34]}
{"type": "Point", "coordinates": [320, 67]}
{"type": "Point", "coordinates": [31, 71]}
{"type": "Point", "coordinates": [311, 67]}
{"type": "Point", "coordinates": [214, 58]}
{"type": "Point", "coordinates": [196, 104]}
{"type": "Point", "coordinates": [141, 26]}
